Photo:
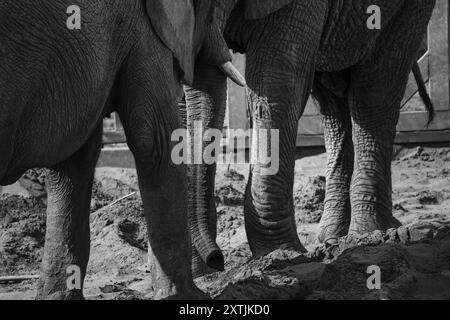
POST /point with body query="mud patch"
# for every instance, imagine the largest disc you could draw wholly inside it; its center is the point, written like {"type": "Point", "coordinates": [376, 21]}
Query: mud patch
{"type": "Point", "coordinates": [414, 259]}
{"type": "Point", "coordinates": [404, 265]}
{"type": "Point", "coordinates": [308, 200]}
{"type": "Point", "coordinates": [22, 234]}
{"type": "Point", "coordinates": [229, 196]}
{"type": "Point", "coordinates": [34, 182]}
{"type": "Point", "coordinates": [430, 197]}
{"type": "Point", "coordinates": [133, 232]}
{"type": "Point", "coordinates": [23, 219]}
{"type": "Point", "coordinates": [230, 189]}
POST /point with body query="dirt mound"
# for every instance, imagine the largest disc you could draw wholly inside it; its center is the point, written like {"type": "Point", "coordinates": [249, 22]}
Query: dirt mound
{"type": "Point", "coordinates": [119, 238]}
{"type": "Point", "coordinates": [407, 235]}
{"type": "Point", "coordinates": [233, 175]}
{"type": "Point", "coordinates": [414, 259]}
{"type": "Point", "coordinates": [291, 275]}
{"type": "Point", "coordinates": [268, 277]}
{"type": "Point", "coordinates": [415, 271]}
{"type": "Point", "coordinates": [422, 155]}
{"type": "Point", "coordinates": [34, 182]}
{"type": "Point", "coordinates": [308, 200]}
{"type": "Point", "coordinates": [22, 234]}
{"type": "Point", "coordinates": [430, 197]}
{"type": "Point", "coordinates": [231, 237]}
{"type": "Point", "coordinates": [230, 189]}
{"type": "Point", "coordinates": [229, 196]}
{"type": "Point", "coordinates": [106, 191]}
{"type": "Point", "coordinates": [22, 222]}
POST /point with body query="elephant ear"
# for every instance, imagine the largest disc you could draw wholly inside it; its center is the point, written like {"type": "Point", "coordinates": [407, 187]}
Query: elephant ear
{"type": "Point", "coordinates": [257, 9]}
{"type": "Point", "coordinates": [175, 23]}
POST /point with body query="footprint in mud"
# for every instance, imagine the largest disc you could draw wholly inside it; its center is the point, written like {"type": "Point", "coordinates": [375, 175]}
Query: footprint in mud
{"type": "Point", "coordinates": [430, 197]}
{"type": "Point", "coordinates": [134, 233]}
{"type": "Point", "coordinates": [229, 196]}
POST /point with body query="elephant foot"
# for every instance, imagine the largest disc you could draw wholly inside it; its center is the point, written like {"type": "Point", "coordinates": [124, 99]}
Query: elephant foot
{"type": "Point", "coordinates": [192, 294]}
{"type": "Point", "coordinates": [259, 251]}
{"type": "Point", "coordinates": [325, 235]}
{"type": "Point", "coordinates": [331, 229]}
{"type": "Point", "coordinates": [200, 268]}
{"type": "Point", "coordinates": [62, 295]}
{"type": "Point", "coordinates": [172, 282]}
{"type": "Point", "coordinates": [271, 231]}
{"type": "Point", "coordinates": [366, 222]}
{"type": "Point", "coordinates": [263, 239]}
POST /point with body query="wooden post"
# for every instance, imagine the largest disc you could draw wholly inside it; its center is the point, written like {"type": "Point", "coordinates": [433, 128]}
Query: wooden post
{"type": "Point", "coordinates": [439, 56]}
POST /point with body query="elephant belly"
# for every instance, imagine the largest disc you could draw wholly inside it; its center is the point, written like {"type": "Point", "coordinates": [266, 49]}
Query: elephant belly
{"type": "Point", "coordinates": [46, 138]}
{"type": "Point", "coordinates": [43, 141]}
{"type": "Point", "coordinates": [51, 113]}
{"type": "Point", "coordinates": [54, 84]}
{"type": "Point", "coordinates": [347, 39]}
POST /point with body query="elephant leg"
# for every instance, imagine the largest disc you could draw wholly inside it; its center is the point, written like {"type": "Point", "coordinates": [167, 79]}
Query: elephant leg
{"type": "Point", "coordinates": [148, 110]}
{"type": "Point", "coordinates": [6, 148]}
{"type": "Point", "coordinates": [206, 104]}
{"type": "Point", "coordinates": [280, 71]}
{"type": "Point", "coordinates": [377, 87]}
{"type": "Point", "coordinates": [163, 188]}
{"type": "Point", "coordinates": [371, 187]}
{"type": "Point", "coordinates": [268, 204]}
{"type": "Point", "coordinates": [340, 156]}
{"type": "Point", "coordinates": [67, 239]}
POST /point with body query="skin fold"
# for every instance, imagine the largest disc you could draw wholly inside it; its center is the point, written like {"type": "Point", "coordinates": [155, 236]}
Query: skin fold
{"type": "Point", "coordinates": [357, 75]}
{"type": "Point", "coordinates": [56, 85]}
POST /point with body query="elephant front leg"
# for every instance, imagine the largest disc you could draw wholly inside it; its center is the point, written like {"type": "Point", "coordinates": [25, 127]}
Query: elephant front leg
{"type": "Point", "coordinates": [169, 241]}
{"type": "Point", "coordinates": [147, 106]}
{"type": "Point", "coordinates": [268, 207]}
{"type": "Point", "coordinates": [280, 71]}
{"type": "Point", "coordinates": [163, 187]}
{"type": "Point", "coordinates": [66, 250]}
{"type": "Point", "coordinates": [340, 156]}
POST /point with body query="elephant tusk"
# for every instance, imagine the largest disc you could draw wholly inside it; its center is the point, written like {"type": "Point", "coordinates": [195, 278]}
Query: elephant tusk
{"type": "Point", "coordinates": [231, 72]}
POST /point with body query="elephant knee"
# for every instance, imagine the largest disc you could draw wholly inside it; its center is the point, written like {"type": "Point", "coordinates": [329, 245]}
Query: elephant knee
{"type": "Point", "coordinates": [151, 155]}
{"type": "Point", "coordinates": [143, 150]}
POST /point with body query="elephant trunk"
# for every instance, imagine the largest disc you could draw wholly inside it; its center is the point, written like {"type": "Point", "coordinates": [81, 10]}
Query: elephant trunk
{"type": "Point", "coordinates": [206, 103]}
{"type": "Point", "coordinates": [203, 218]}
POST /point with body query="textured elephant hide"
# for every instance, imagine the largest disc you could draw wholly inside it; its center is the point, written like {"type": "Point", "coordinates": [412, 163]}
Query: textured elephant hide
{"type": "Point", "coordinates": [257, 9]}
{"type": "Point", "coordinates": [174, 22]}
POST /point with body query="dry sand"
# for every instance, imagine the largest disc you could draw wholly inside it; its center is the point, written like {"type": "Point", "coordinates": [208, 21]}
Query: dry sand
{"type": "Point", "coordinates": [414, 259]}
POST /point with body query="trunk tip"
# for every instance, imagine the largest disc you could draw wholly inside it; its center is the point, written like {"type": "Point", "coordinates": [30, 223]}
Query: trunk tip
{"type": "Point", "coordinates": [216, 260]}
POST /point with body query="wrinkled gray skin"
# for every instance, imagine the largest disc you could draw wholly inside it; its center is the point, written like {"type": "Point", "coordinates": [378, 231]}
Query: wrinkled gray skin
{"type": "Point", "coordinates": [56, 86]}
{"type": "Point", "coordinates": [359, 77]}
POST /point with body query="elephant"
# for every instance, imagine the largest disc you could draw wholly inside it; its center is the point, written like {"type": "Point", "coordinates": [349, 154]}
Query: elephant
{"type": "Point", "coordinates": [358, 75]}
{"type": "Point", "coordinates": [62, 69]}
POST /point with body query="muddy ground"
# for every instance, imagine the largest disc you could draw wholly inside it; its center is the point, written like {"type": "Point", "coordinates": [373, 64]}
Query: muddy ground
{"type": "Point", "coordinates": [414, 259]}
